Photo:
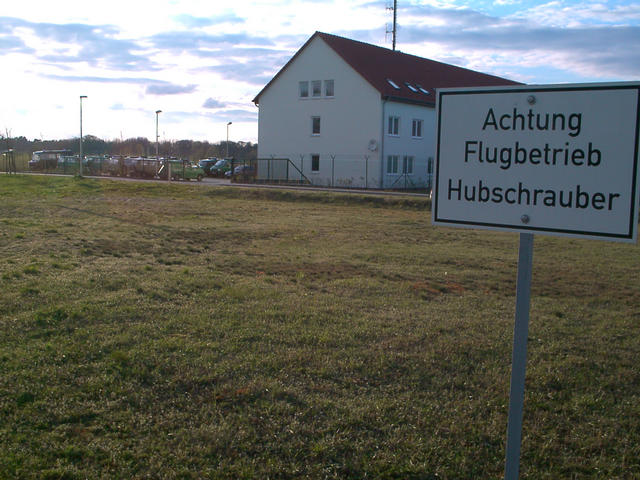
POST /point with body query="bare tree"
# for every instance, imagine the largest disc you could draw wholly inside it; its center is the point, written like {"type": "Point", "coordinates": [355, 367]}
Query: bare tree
{"type": "Point", "coordinates": [8, 155]}
{"type": "Point", "coordinates": [6, 137]}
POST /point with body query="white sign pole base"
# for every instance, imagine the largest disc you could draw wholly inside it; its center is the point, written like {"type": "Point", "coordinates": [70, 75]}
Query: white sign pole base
{"type": "Point", "coordinates": [519, 359]}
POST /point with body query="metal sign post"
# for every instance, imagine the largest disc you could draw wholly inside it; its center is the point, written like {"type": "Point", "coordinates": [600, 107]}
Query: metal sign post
{"type": "Point", "coordinates": [519, 356]}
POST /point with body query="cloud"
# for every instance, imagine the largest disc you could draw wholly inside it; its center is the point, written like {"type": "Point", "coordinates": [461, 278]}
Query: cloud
{"type": "Point", "coordinates": [582, 13]}
{"type": "Point", "coordinates": [11, 43]}
{"type": "Point", "coordinates": [153, 86]}
{"type": "Point", "coordinates": [170, 89]}
{"type": "Point", "coordinates": [506, 2]}
{"type": "Point", "coordinates": [179, 41]}
{"type": "Point", "coordinates": [258, 54]}
{"type": "Point", "coordinates": [96, 79]}
{"type": "Point", "coordinates": [257, 73]}
{"type": "Point", "coordinates": [190, 21]}
{"type": "Point", "coordinates": [97, 45]}
{"type": "Point", "coordinates": [591, 51]}
{"type": "Point", "coordinates": [585, 49]}
{"type": "Point", "coordinates": [450, 17]}
{"type": "Point", "coordinates": [236, 116]}
{"type": "Point", "coordinates": [213, 103]}
{"type": "Point", "coordinates": [221, 116]}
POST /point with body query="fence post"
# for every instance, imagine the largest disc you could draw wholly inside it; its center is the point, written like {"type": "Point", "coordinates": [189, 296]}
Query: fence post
{"type": "Point", "coordinates": [301, 167]}
{"type": "Point", "coordinates": [333, 164]}
{"type": "Point", "coordinates": [366, 171]}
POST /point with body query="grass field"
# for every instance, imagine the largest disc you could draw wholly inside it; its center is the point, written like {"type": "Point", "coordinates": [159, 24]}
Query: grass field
{"type": "Point", "coordinates": [175, 331]}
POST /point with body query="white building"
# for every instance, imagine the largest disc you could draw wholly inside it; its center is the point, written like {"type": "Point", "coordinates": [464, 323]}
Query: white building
{"type": "Point", "coordinates": [347, 113]}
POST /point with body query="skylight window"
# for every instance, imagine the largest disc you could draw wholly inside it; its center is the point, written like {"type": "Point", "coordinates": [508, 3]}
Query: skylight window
{"type": "Point", "coordinates": [393, 84]}
{"type": "Point", "coordinates": [422, 89]}
{"type": "Point", "coordinates": [411, 87]}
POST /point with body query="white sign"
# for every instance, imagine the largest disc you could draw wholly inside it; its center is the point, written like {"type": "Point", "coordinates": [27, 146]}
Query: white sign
{"type": "Point", "coordinates": [554, 159]}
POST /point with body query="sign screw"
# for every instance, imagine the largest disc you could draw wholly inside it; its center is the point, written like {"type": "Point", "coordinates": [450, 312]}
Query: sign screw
{"type": "Point", "coordinates": [525, 219]}
{"type": "Point", "coordinates": [531, 99]}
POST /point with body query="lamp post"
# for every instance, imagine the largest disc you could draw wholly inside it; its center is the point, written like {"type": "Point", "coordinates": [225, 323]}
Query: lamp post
{"type": "Point", "coordinates": [157, 136]}
{"type": "Point", "coordinates": [81, 97]}
{"type": "Point", "coordinates": [227, 155]}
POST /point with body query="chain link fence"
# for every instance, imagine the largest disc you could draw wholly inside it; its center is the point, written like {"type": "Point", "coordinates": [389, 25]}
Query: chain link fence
{"type": "Point", "coordinates": [116, 166]}
{"type": "Point", "coordinates": [397, 172]}
{"type": "Point", "coordinates": [14, 162]}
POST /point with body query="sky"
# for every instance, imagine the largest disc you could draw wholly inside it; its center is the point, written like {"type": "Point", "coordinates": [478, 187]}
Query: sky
{"type": "Point", "coordinates": [203, 61]}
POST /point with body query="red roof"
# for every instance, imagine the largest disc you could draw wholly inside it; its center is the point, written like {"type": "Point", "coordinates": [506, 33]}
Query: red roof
{"type": "Point", "coordinates": [412, 75]}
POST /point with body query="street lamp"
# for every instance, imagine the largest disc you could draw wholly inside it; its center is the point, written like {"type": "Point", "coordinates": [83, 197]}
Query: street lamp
{"type": "Point", "coordinates": [227, 155]}
{"type": "Point", "coordinates": [81, 97]}
{"type": "Point", "coordinates": [157, 136]}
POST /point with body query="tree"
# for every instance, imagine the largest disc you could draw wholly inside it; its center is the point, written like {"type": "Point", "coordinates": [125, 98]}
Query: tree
{"type": "Point", "coordinates": [193, 150]}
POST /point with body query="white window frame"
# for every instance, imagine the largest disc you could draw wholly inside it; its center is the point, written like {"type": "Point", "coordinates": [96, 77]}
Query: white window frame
{"type": "Point", "coordinates": [416, 128]}
{"type": "Point", "coordinates": [393, 126]}
{"type": "Point", "coordinates": [303, 86]}
{"type": "Point", "coordinates": [407, 164]}
{"type": "Point", "coordinates": [316, 156]}
{"type": "Point", "coordinates": [329, 88]}
{"type": "Point", "coordinates": [313, 120]}
{"type": "Point", "coordinates": [316, 88]}
{"type": "Point", "coordinates": [392, 164]}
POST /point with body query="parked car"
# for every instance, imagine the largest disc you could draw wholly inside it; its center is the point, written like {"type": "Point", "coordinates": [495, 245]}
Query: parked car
{"type": "Point", "coordinates": [220, 168]}
{"type": "Point", "coordinates": [207, 164]}
{"type": "Point", "coordinates": [241, 171]}
{"type": "Point", "coordinates": [142, 167]}
{"type": "Point", "coordinates": [47, 159]}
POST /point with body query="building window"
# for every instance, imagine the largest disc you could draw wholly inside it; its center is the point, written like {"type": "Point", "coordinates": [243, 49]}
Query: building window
{"type": "Point", "coordinates": [315, 125]}
{"type": "Point", "coordinates": [393, 84]}
{"type": "Point", "coordinates": [303, 89]}
{"type": "Point", "coordinates": [392, 164]}
{"type": "Point", "coordinates": [416, 129]}
{"type": "Point", "coordinates": [316, 88]}
{"type": "Point", "coordinates": [407, 165]}
{"type": "Point", "coordinates": [411, 87]}
{"type": "Point", "coordinates": [328, 88]}
{"type": "Point", "coordinates": [315, 163]}
{"type": "Point", "coordinates": [394, 125]}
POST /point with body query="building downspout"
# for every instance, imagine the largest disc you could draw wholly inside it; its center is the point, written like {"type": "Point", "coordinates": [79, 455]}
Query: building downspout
{"type": "Point", "coordinates": [384, 105]}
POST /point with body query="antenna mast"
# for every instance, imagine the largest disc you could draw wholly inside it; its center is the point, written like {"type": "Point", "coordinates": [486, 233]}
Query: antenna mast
{"type": "Point", "coordinates": [395, 17]}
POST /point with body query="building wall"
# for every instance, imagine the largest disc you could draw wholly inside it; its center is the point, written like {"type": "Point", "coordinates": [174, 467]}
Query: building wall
{"type": "Point", "coordinates": [348, 121]}
{"type": "Point", "coordinates": [420, 148]}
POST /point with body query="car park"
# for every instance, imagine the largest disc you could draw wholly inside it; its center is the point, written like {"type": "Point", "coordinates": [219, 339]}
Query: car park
{"type": "Point", "coordinates": [207, 164]}
{"type": "Point", "coordinates": [181, 170]}
{"type": "Point", "coordinates": [241, 171]}
{"type": "Point", "coordinates": [220, 168]}
{"type": "Point", "coordinates": [47, 159]}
